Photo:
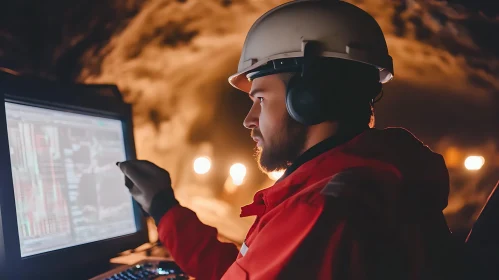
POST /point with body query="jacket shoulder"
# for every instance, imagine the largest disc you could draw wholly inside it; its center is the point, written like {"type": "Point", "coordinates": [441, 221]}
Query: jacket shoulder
{"type": "Point", "coordinates": [359, 179]}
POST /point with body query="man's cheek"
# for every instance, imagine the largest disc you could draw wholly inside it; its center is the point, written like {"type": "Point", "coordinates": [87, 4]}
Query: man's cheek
{"type": "Point", "coordinates": [263, 123]}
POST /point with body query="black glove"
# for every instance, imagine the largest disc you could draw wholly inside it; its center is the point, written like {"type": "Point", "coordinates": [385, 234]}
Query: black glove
{"type": "Point", "coordinates": [150, 186]}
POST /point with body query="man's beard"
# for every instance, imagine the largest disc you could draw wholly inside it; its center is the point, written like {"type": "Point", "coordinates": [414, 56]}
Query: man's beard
{"type": "Point", "coordinates": [280, 150]}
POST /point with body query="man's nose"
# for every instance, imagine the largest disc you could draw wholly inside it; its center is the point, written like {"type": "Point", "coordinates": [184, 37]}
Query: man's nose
{"type": "Point", "coordinates": [251, 120]}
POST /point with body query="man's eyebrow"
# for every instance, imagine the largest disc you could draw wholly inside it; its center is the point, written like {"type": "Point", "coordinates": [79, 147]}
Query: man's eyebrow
{"type": "Point", "coordinates": [255, 91]}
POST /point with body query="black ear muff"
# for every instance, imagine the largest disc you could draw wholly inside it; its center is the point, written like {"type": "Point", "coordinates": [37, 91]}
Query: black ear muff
{"type": "Point", "coordinates": [304, 102]}
{"type": "Point", "coordinates": [303, 96]}
{"type": "Point", "coordinates": [328, 89]}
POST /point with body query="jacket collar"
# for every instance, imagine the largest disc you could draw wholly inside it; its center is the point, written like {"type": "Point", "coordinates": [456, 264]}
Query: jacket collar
{"type": "Point", "coordinates": [320, 148]}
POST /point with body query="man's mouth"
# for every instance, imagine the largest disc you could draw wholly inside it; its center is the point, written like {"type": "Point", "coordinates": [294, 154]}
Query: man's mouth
{"type": "Point", "coordinates": [257, 137]}
{"type": "Point", "coordinates": [258, 140]}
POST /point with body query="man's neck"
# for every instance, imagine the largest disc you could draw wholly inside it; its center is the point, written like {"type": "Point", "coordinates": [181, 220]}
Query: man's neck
{"type": "Point", "coordinates": [318, 133]}
{"type": "Point", "coordinates": [321, 143]}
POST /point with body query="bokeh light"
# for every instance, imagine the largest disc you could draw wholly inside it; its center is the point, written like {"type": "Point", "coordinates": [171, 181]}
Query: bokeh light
{"type": "Point", "coordinates": [237, 172]}
{"type": "Point", "coordinates": [202, 165]}
{"type": "Point", "coordinates": [474, 162]}
{"type": "Point", "coordinates": [275, 175]}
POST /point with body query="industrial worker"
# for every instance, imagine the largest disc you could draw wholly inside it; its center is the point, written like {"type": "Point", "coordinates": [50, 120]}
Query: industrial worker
{"type": "Point", "coordinates": [355, 202]}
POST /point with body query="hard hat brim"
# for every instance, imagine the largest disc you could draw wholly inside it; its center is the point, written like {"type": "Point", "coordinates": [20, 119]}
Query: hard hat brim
{"type": "Point", "coordinates": [241, 82]}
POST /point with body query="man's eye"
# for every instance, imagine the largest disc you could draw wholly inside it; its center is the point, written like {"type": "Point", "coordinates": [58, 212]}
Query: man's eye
{"type": "Point", "coordinates": [260, 99]}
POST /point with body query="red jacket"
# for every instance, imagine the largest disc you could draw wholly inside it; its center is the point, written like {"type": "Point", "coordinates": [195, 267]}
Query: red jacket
{"type": "Point", "coordinates": [370, 208]}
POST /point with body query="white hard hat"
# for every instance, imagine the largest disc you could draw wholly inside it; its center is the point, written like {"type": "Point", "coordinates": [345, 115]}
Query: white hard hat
{"type": "Point", "coordinates": [341, 29]}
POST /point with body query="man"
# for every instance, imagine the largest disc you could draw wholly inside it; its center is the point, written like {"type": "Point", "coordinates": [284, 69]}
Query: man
{"type": "Point", "coordinates": [355, 202]}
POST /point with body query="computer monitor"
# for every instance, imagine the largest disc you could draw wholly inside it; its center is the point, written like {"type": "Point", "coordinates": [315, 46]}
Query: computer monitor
{"type": "Point", "coordinates": [64, 207]}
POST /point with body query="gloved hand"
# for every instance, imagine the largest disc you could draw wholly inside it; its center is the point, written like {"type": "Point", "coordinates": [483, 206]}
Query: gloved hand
{"type": "Point", "coordinates": [150, 186]}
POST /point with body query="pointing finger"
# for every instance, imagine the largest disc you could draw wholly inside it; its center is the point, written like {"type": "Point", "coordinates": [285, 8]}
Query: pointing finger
{"type": "Point", "coordinates": [133, 172]}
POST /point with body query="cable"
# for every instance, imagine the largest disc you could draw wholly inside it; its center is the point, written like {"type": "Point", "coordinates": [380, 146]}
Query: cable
{"type": "Point", "coordinates": [376, 100]}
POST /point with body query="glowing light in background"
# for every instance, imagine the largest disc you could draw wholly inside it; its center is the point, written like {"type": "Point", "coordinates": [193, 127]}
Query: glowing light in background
{"type": "Point", "coordinates": [275, 175]}
{"type": "Point", "coordinates": [474, 162]}
{"type": "Point", "coordinates": [202, 165]}
{"type": "Point", "coordinates": [237, 172]}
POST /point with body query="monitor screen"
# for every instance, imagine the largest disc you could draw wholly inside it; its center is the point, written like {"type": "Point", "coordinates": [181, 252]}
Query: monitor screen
{"type": "Point", "coordinates": [68, 190]}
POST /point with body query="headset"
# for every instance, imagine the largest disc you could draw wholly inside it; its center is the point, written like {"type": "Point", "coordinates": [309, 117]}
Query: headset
{"type": "Point", "coordinates": [311, 96]}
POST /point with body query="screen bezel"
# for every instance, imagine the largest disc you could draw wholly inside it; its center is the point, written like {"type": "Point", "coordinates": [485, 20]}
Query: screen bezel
{"type": "Point", "coordinates": [94, 100]}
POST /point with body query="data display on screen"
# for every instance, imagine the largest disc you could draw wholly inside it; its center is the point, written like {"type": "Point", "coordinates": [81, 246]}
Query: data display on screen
{"type": "Point", "coordinates": [67, 188]}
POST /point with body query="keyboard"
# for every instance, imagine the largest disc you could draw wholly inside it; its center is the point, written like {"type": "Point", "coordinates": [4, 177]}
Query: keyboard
{"type": "Point", "coordinates": [146, 269]}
